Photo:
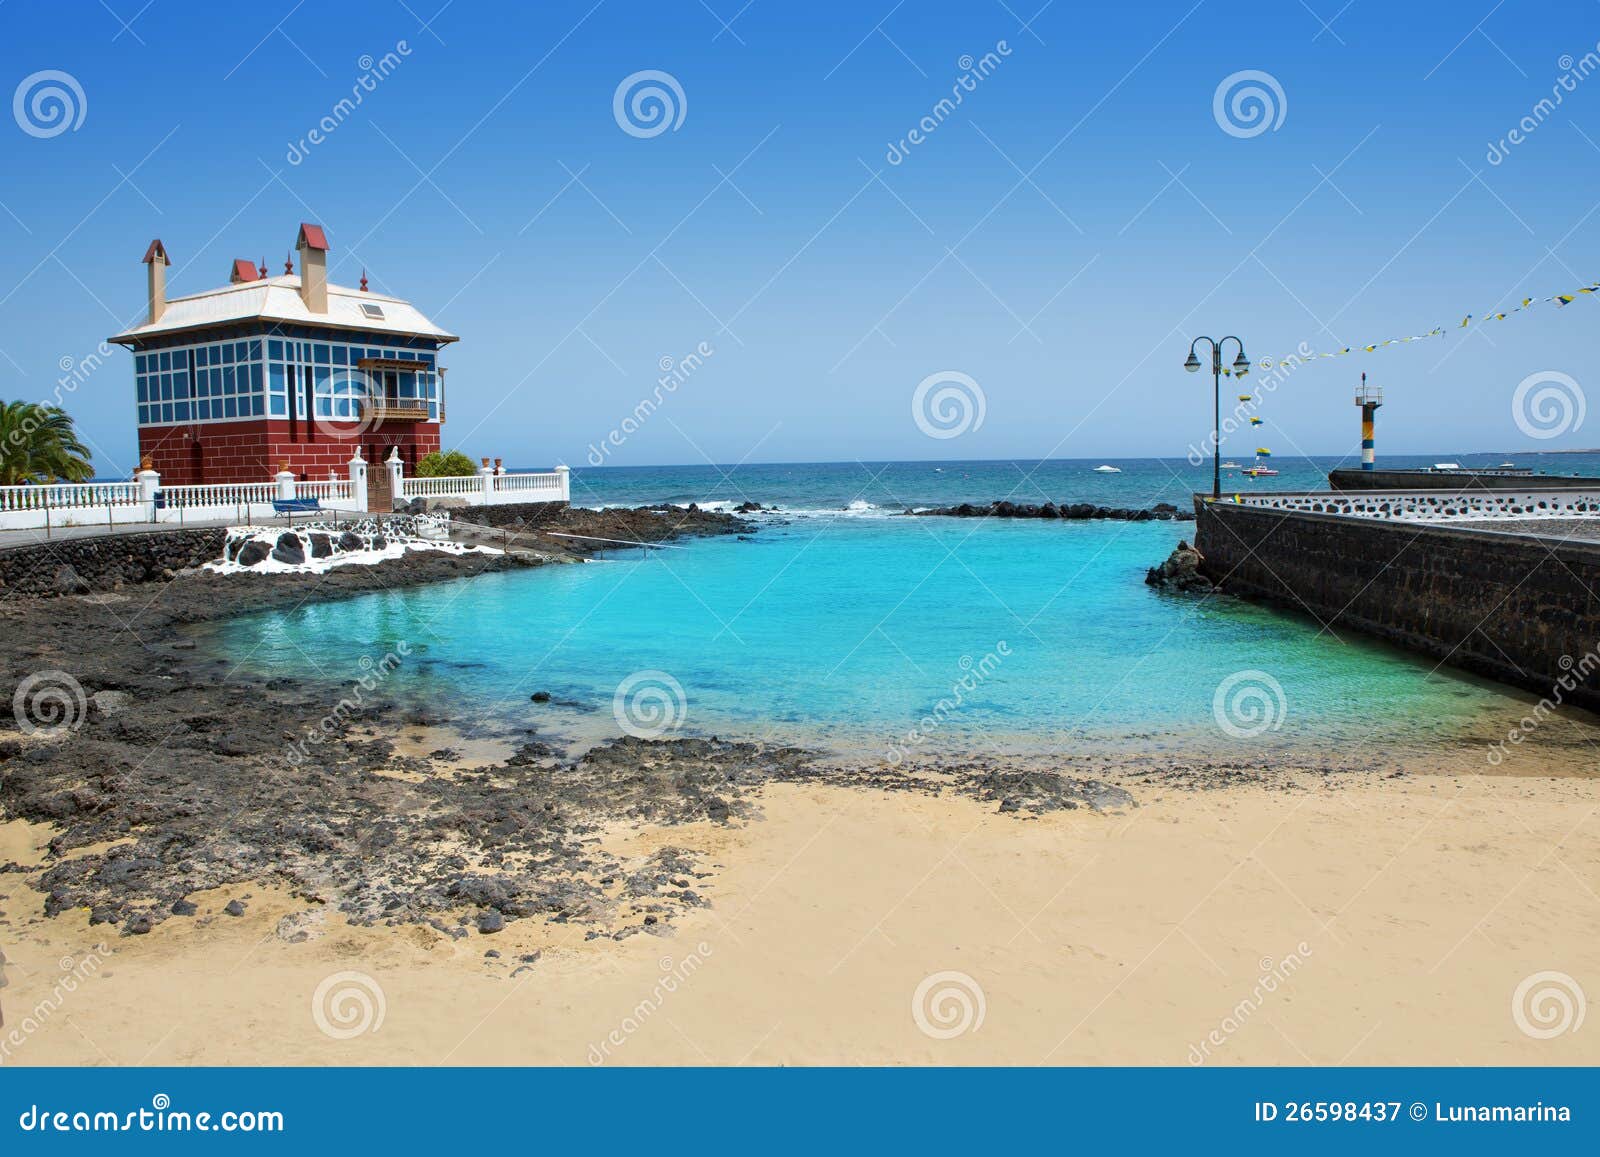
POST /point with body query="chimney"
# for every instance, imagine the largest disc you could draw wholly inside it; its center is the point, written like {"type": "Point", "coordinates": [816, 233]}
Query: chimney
{"type": "Point", "coordinates": [312, 246]}
{"type": "Point", "coordinates": [156, 258]}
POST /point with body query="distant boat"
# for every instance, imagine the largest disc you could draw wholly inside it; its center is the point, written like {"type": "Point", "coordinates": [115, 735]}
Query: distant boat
{"type": "Point", "coordinates": [1260, 469]}
{"type": "Point", "coordinates": [1107, 470]}
{"type": "Point", "coordinates": [1230, 466]}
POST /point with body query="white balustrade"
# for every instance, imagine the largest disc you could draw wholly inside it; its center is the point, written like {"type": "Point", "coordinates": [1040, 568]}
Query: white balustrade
{"type": "Point", "coordinates": [68, 496]}
{"type": "Point", "coordinates": [221, 494]}
{"type": "Point", "coordinates": [1435, 505]}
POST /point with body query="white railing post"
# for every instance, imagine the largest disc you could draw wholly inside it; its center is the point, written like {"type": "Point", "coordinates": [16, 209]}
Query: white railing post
{"type": "Point", "coordinates": [358, 482]}
{"type": "Point", "coordinates": [486, 473]}
{"type": "Point", "coordinates": [397, 470]}
{"type": "Point", "coordinates": [149, 482]}
{"type": "Point", "coordinates": [285, 480]}
{"type": "Point", "coordinates": [564, 479]}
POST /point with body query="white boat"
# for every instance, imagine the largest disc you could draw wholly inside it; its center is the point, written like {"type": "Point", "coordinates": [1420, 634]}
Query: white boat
{"type": "Point", "coordinates": [1107, 470]}
{"type": "Point", "coordinates": [1230, 466]}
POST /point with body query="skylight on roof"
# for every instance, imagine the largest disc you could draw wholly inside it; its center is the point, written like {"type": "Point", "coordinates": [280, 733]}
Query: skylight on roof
{"type": "Point", "coordinates": [371, 310]}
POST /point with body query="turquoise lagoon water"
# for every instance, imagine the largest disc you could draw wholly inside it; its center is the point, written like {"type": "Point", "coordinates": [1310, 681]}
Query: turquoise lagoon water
{"type": "Point", "coordinates": [845, 627]}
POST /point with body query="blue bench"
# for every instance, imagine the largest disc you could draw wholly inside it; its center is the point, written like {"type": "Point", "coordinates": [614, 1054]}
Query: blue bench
{"type": "Point", "coordinates": [293, 506]}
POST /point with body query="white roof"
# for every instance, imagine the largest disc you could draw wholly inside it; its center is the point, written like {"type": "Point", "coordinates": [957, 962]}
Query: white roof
{"type": "Point", "coordinates": [277, 299]}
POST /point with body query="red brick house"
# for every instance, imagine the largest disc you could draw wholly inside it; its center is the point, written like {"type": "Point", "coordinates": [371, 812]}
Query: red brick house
{"type": "Point", "coordinates": [235, 382]}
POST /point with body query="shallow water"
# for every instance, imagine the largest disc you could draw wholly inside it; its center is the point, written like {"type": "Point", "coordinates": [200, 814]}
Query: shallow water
{"type": "Point", "coordinates": [879, 635]}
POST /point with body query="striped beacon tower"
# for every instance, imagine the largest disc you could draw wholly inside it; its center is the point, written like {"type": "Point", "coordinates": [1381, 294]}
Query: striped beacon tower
{"type": "Point", "coordinates": [1369, 398]}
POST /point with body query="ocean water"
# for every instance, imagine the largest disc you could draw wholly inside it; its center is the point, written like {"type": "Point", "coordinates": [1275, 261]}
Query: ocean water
{"type": "Point", "coordinates": [838, 624]}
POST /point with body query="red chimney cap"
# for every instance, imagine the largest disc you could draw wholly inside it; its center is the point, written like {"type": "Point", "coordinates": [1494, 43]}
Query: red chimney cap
{"type": "Point", "coordinates": [243, 270]}
{"type": "Point", "coordinates": [157, 251]}
{"type": "Point", "coordinates": [311, 237]}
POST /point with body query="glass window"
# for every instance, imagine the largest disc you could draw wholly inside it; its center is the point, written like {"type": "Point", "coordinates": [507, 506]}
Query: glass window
{"type": "Point", "coordinates": [180, 385]}
{"type": "Point", "coordinates": [320, 353]}
{"type": "Point", "coordinates": [275, 350]}
{"type": "Point", "coordinates": [180, 359]}
{"type": "Point", "coordinates": [255, 377]}
{"type": "Point", "coordinates": [433, 411]}
{"type": "Point", "coordinates": [323, 381]}
{"type": "Point", "coordinates": [230, 407]}
{"type": "Point", "coordinates": [275, 377]}
{"type": "Point", "coordinates": [139, 363]}
{"type": "Point", "coordinates": [241, 350]}
{"type": "Point", "coordinates": [255, 405]}
{"type": "Point", "coordinates": [254, 351]}
{"type": "Point", "coordinates": [140, 381]}
{"type": "Point", "coordinates": [166, 360]}
{"type": "Point", "coordinates": [341, 355]}
{"type": "Point", "coordinates": [166, 389]}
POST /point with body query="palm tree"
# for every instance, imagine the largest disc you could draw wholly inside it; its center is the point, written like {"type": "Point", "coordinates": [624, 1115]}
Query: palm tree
{"type": "Point", "coordinates": [38, 443]}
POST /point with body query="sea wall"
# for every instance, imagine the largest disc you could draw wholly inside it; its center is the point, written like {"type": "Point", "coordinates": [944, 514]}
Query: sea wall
{"type": "Point", "coordinates": [69, 566]}
{"type": "Point", "coordinates": [1514, 607]}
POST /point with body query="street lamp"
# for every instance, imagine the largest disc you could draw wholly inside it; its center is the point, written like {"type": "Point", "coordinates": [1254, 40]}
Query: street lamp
{"type": "Point", "coordinates": [1241, 367]}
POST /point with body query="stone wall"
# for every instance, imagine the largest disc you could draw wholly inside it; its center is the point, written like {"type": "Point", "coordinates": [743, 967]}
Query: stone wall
{"type": "Point", "coordinates": [105, 562]}
{"type": "Point", "coordinates": [1514, 607]}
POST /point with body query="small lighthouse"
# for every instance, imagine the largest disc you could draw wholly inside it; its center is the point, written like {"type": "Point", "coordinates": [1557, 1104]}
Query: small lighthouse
{"type": "Point", "coordinates": [1369, 398]}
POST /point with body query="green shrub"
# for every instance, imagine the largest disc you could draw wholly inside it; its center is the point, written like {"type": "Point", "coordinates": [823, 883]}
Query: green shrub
{"type": "Point", "coordinates": [453, 464]}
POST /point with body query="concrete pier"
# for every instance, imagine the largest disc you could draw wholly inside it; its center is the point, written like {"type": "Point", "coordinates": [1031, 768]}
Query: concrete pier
{"type": "Point", "coordinates": [1516, 603]}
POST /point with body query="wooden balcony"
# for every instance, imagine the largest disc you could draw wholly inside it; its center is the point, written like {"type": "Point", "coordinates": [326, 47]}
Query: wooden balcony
{"type": "Point", "coordinates": [396, 410]}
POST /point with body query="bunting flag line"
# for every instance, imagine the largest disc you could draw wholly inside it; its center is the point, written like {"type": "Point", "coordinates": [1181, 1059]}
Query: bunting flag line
{"type": "Point", "coordinates": [1561, 300]}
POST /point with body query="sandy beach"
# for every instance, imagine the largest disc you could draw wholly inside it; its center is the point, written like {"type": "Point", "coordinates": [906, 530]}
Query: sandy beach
{"type": "Point", "coordinates": [1379, 921]}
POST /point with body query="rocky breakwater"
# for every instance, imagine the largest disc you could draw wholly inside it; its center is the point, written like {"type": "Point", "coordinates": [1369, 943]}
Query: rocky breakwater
{"type": "Point", "coordinates": [1069, 512]}
{"type": "Point", "coordinates": [316, 546]}
{"type": "Point", "coordinates": [580, 531]}
{"type": "Point", "coordinates": [1180, 572]}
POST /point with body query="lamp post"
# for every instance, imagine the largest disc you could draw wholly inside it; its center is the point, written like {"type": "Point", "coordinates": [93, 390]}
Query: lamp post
{"type": "Point", "coordinates": [1241, 367]}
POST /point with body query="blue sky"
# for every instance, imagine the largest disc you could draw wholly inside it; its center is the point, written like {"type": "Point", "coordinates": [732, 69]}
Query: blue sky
{"type": "Point", "coordinates": [1058, 238]}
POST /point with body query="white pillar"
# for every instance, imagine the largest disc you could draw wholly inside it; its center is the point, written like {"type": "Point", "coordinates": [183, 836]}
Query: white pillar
{"type": "Point", "coordinates": [565, 475]}
{"type": "Point", "coordinates": [397, 470]}
{"type": "Point", "coordinates": [358, 481]}
{"type": "Point", "coordinates": [285, 479]}
{"type": "Point", "coordinates": [486, 473]}
{"type": "Point", "coordinates": [148, 481]}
